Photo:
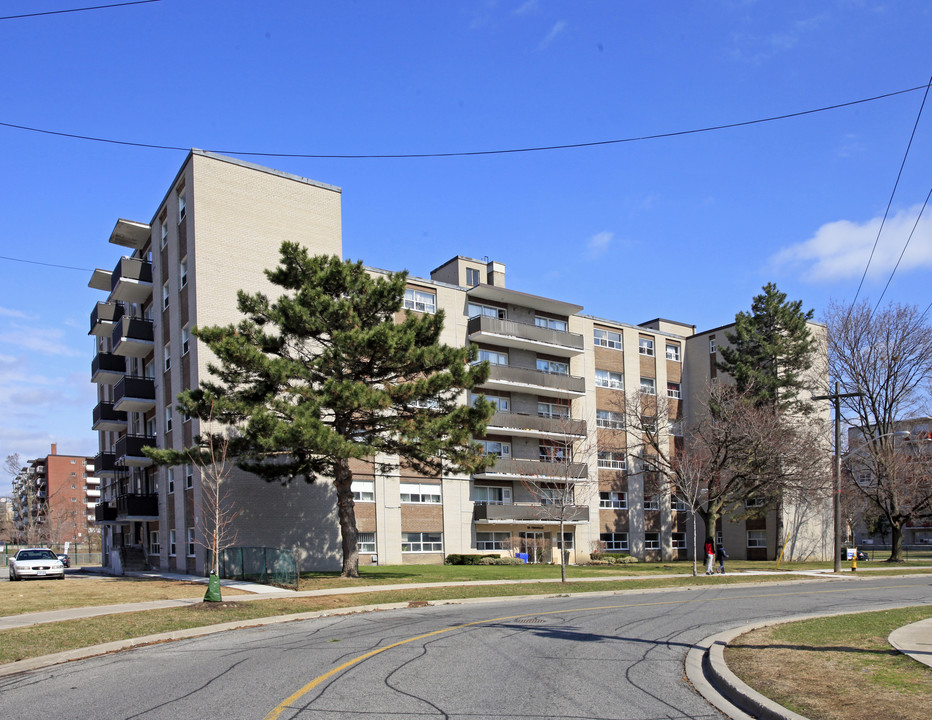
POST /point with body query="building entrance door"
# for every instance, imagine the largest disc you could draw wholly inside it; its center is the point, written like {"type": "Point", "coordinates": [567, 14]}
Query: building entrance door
{"type": "Point", "coordinates": [533, 543]}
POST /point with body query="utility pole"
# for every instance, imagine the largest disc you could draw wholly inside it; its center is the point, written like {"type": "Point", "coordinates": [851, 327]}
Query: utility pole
{"type": "Point", "coordinates": [836, 480]}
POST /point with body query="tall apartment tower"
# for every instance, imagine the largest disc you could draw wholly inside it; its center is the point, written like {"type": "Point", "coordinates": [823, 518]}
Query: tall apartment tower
{"type": "Point", "coordinates": [216, 231]}
{"type": "Point", "coordinates": [64, 493]}
{"type": "Point", "coordinates": [558, 381]}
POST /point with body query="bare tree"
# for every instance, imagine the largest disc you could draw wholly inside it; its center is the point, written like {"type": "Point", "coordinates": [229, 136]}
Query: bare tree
{"type": "Point", "coordinates": [883, 362]}
{"type": "Point", "coordinates": [29, 508]}
{"type": "Point", "coordinates": [730, 450]}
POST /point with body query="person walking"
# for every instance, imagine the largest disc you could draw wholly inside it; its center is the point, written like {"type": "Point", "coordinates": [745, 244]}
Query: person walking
{"type": "Point", "coordinates": [709, 555]}
{"type": "Point", "coordinates": [720, 555]}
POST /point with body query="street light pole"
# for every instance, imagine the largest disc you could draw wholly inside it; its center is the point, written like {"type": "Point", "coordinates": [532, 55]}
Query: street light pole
{"type": "Point", "coordinates": [836, 480]}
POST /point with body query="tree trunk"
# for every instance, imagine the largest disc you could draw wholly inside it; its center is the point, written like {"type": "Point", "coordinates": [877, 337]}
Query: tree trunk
{"type": "Point", "coordinates": [346, 509]}
{"type": "Point", "coordinates": [562, 548]}
{"type": "Point", "coordinates": [896, 538]}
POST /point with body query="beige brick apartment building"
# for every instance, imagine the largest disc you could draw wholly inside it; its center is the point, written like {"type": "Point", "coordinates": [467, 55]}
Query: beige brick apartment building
{"type": "Point", "coordinates": [557, 379]}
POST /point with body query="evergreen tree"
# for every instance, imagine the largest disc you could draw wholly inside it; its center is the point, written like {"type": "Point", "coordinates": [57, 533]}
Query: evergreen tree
{"type": "Point", "coordinates": [770, 350]}
{"type": "Point", "coordinates": [335, 370]}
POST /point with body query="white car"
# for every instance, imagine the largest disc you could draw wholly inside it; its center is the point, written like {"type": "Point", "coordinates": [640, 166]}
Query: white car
{"type": "Point", "coordinates": [36, 563]}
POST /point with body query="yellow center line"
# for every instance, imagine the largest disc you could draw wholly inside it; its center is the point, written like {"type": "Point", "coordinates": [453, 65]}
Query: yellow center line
{"type": "Point", "coordinates": [295, 696]}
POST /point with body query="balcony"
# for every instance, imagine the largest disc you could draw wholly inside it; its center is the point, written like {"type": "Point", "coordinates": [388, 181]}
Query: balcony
{"type": "Point", "coordinates": [511, 468]}
{"type": "Point", "coordinates": [128, 450]}
{"type": "Point", "coordinates": [106, 465]}
{"type": "Point", "coordinates": [131, 280]}
{"type": "Point", "coordinates": [132, 337]}
{"type": "Point", "coordinates": [105, 512]}
{"type": "Point", "coordinates": [517, 379]}
{"type": "Point", "coordinates": [107, 368]}
{"type": "Point", "coordinates": [107, 419]}
{"type": "Point", "coordinates": [529, 512]}
{"type": "Point", "coordinates": [130, 233]}
{"type": "Point", "coordinates": [103, 316]}
{"type": "Point", "coordinates": [509, 333]}
{"type": "Point", "coordinates": [134, 506]}
{"type": "Point", "coordinates": [535, 425]}
{"type": "Point", "coordinates": [134, 394]}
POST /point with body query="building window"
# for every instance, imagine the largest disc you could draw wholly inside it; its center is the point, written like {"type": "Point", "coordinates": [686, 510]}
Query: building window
{"type": "Point", "coordinates": [165, 295]}
{"type": "Point", "coordinates": [651, 502]}
{"type": "Point", "coordinates": [611, 460]}
{"type": "Point", "coordinates": [554, 409]}
{"type": "Point", "coordinates": [154, 547]}
{"type": "Point", "coordinates": [609, 419]}
{"type": "Point", "coordinates": [613, 542]}
{"type": "Point", "coordinates": [757, 538]}
{"type": "Point", "coordinates": [171, 480]}
{"type": "Point", "coordinates": [496, 448]}
{"type": "Point", "coordinates": [613, 500]}
{"type": "Point", "coordinates": [492, 540]}
{"type": "Point", "coordinates": [167, 353]}
{"type": "Point", "coordinates": [673, 352]}
{"type": "Point", "coordinates": [652, 541]}
{"type": "Point", "coordinates": [553, 367]}
{"type": "Point", "coordinates": [168, 419]}
{"type": "Point", "coordinates": [678, 541]}
{"type": "Point", "coordinates": [554, 451]}
{"type": "Point", "coordinates": [363, 490]}
{"type": "Point", "coordinates": [420, 493]}
{"type": "Point", "coordinates": [673, 390]}
{"type": "Point", "coordinates": [164, 231]}
{"type": "Point", "coordinates": [421, 542]}
{"type": "Point", "coordinates": [648, 386]}
{"type": "Point", "coordinates": [171, 543]}
{"type": "Point", "coordinates": [494, 358]}
{"type": "Point", "coordinates": [189, 476]}
{"type": "Point", "coordinates": [646, 346]}
{"type": "Point", "coordinates": [365, 541]}
{"type": "Point", "coordinates": [649, 424]}
{"type": "Point", "coordinates": [678, 504]}
{"type": "Point", "coordinates": [183, 272]}
{"type": "Point", "coordinates": [550, 323]}
{"type": "Point", "coordinates": [472, 277]}
{"type": "Point", "coordinates": [487, 495]}
{"type": "Point", "coordinates": [421, 301]}
{"type": "Point", "coordinates": [607, 338]}
{"type": "Point", "coordinates": [185, 340]}
{"type": "Point", "coordinates": [501, 403]}
{"type": "Point", "coordinates": [182, 205]}
{"type": "Point", "coordinates": [190, 543]}
{"type": "Point", "coordinates": [564, 543]}
{"type": "Point", "coordinates": [755, 502]}
{"type": "Point", "coordinates": [477, 309]}
{"type": "Point", "coordinates": [609, 379]}
{"type": "Point", "coordinates": [712, 346]}
{"type": "Point", "coordinates": [675, 428]}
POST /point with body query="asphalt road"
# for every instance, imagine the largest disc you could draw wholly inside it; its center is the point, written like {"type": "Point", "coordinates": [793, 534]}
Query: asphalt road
{"type": "Point", "coordinates": [607, 656]}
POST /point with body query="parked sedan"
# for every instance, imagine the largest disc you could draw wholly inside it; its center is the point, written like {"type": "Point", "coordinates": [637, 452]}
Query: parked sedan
{"type": "Point", "coordinates": [36, 563]}
{"type": "Point", "coordinates": [65, 560]}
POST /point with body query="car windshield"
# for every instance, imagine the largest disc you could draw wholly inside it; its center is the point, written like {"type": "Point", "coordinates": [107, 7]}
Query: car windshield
{"type": "Point", "coordinates": [36, 555]}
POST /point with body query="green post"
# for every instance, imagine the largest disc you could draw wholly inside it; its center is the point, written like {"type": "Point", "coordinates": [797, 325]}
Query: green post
{"type": "Point", "coordinates": [213, 589]}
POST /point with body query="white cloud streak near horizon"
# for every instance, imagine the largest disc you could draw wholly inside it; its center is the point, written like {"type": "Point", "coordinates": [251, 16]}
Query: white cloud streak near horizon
{"type": "Point", "coordinates": [840, 250]}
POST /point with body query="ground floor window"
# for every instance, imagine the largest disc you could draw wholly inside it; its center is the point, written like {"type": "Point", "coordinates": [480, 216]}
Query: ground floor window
{"type": "Point", "coordinates": [651, 541]}
{"type": "Point", "coordinates": [492, 540]}
{"type": "Point", "coordinates": [363, 490]}
{"type": "Point", "coordinates": [613, 500]}
{"type": "Point", "coordinates": [679, 541]}
{"type": "Point", "coordinates": [421, 542]}
{"type": "Point", "coordinates": [366, 542]}
{"type": "Point", "coordinates": [614, 541]}
{"type": "Point", "coordinates": [171, 543]}
{"type": "Point", "coordinates": [154, 546]}
{"type": "Point", "coordinates": [566, 543]}
{"type": "Point", "coordinates": [757, 538]}
{"type": "Point", "coordinates": [190, 543]}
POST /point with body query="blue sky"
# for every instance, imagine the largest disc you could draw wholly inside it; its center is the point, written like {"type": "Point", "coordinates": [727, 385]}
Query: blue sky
{"type": "Point", "coordinates": [687, 227]}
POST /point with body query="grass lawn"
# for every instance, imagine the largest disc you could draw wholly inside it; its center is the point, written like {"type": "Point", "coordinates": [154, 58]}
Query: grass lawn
{"type": "Point", "coordinates": [860, 676]}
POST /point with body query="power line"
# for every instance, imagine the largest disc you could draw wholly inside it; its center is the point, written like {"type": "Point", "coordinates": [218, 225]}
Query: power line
{"type": "Point", "coordinates": [893, 192]}
{"type": "Point", "coordinates": [82, 9]}
{"type": "Point", "coordinates": [903, 252]}
{"type": "Point", "coordinates": [36, 262]}
{"type": "Point", "coordinates": [473, 153]}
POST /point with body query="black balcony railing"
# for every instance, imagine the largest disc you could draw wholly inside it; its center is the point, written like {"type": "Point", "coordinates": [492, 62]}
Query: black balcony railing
{"type": "Point", "coordinates": [137, 505]}
{"type": "Point", "coordinates": [128, 449]}
{"type": "Point", "coordinates": [106, 465]}
{"type": "Point", "coordinates": [103, 316]}
{"type": "Point", "coordinates": [105, 512]}
{"type": "Point", "coordinates": [107, 368]}
{"type": "Point", "coordinates": [135, 392]}
{"type": "Point", "coordinates": [106, 418]}
{"type": "Point", "coordinates": [131, 279]}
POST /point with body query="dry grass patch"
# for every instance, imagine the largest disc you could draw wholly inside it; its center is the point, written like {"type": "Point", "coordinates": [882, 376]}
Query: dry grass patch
{"type": "Point", "coordinates": [839, 668]}
{"type": "Point", "coordinates": [87, 591]}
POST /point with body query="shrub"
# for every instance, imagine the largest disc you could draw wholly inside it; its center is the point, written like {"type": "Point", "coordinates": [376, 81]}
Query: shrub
{"type": "Point", "coordinates": [613, 558]}
{"type": "Point", "coordinates": [455, 559]}
{"type": "Point", "coordinates": [501, 561]}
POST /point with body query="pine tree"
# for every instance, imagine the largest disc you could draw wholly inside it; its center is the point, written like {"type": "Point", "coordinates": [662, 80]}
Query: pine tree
{"type": "Point", "coordinates": [335, 370]}
{"type": "Point", "coordinates": [771, 348]}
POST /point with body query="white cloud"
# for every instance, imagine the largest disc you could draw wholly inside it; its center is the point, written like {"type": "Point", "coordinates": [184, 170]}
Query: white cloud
{"type": "Point", "coordinates": [840, 250]}
{"type": "Point", "coordinates": [43, 340]}
{"type": "Point", "coordinates": [7, 312]}
{"type": "Point", "coordinates": [598, 243]}
{"type": "Point", "coordinates": [526, 7]}
{"type": "Point", "coordinates": [557, 28]}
